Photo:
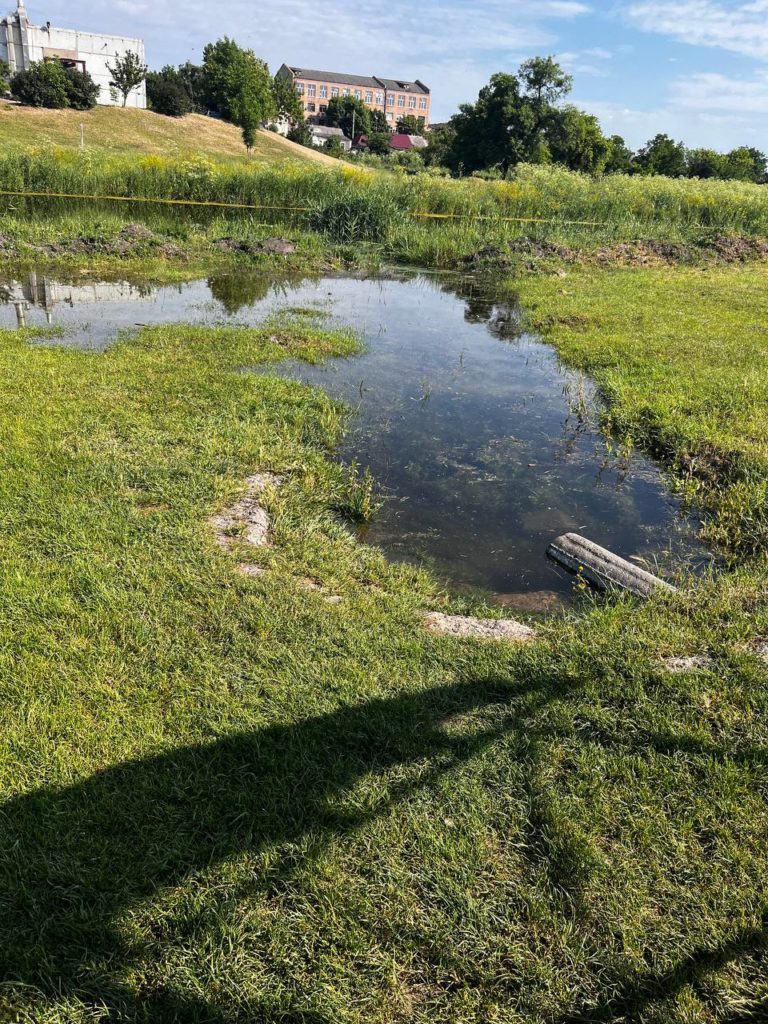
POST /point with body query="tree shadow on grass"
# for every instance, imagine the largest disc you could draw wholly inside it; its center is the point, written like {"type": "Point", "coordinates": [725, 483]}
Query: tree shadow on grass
{"type": "Point", "coordinates": [73, 859]}
{"type": "Point", "coordinates": [636, 997]}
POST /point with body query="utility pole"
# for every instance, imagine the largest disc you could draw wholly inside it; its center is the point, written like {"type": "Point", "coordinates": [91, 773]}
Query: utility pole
{"type": "Point", "coordinates": [82, 136]}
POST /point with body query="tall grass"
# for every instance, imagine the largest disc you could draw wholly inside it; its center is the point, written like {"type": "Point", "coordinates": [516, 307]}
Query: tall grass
{"type": "Point", "coordinates": [626, 206]}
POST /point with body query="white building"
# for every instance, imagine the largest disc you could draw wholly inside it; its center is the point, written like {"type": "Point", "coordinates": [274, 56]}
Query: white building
{"type": "Point", "coordinates": [21, 43]}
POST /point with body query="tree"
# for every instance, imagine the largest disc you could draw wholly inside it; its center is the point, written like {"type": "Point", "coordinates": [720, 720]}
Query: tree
{"type": "Point", "coordinates": [191, 77]}
{"type": "Point", "coordinates": [333, 146]}
{"type": "Point", "coordinates": [619, 156]}
{"type": "Point", "coordinates": [499, 130]}
{"type": "Point", "coordinates": [43, 84]}
{"type": "Point", "coordinates": [47, 83]}
{"type": "Point", "coordinates": [409, 124]}
{"type": "Point", "coordinates": [288, 106]}
{"type": "Point", "coordinates": [378, 142]}
{"type": "Point", "coordinates": [349, 114]}
{"type": "Point", "coordinates": [237, 84]}
{"type": "Point", "coordinates": [5, 76]}
{"type": "Point", "coordinates": [705, 163]}
{"type": "Point", "coordinates": [82, 91]}
{"type": "Point", "coordinates": [544, 81]}
{"type": "Point", "coordinates": [575, 139]}
{"type": "Point", "coordinates": [167, 94]}
{"type": "Point", "coordinates": [301, 133]}
{"type": "Point", "coordinates": [441, 142]}
{"type": "Point", "coordinates": [128, 73]}
{"type": "Point", "coordinates": [379, 123]}
{"type": "Point", "coordinates": [745, 164]}
{"type": "Point", "coordinates": [662, 155]}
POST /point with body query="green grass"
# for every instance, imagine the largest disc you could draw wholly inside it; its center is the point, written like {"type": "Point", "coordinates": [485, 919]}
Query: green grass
{"type": "Point", "coordinates": [349, 206]}
{"type": "Point", "coordinates": [227, 800]}
{"type": "Point", "coordinates": [681, 357]}
{"type": "Point", "coordinates": [112, 131]}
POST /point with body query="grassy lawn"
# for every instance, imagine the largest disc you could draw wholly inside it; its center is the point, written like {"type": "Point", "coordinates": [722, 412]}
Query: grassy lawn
{"type": "Point", "coordinates": [681, 356]}
{"type": "Point", "coordinates": [114, 131]}
{"type": "Point", "coordinates": [225, 799]}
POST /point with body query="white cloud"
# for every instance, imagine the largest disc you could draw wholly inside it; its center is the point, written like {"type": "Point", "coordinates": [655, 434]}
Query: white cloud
{"type": "Point", "coordinates": [452, 45]}
{"type": "Point", "coordinates": [711, 91]}
{"type": "Point", "coordinates": [741, 28]}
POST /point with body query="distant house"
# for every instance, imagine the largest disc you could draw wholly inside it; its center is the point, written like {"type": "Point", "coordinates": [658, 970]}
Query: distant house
{"type": "Point", "coordinates": [321, 134]}
{"type": "Point", "coordinates": [394, 97]}
{"type": "Point", "coordinates": [403, 142]}
{"type": "Point", "coordinates": [21, 43]}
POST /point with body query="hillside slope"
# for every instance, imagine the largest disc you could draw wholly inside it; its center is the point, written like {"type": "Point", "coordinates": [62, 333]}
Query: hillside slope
{"type": "Point", "coordinates": [114, 130]}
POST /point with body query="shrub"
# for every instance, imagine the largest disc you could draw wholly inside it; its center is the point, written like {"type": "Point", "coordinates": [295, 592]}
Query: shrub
{"type": "Point", "coordinates": [82, 91]}
{"type": "Point", "coordinates": [166, 95]}
{"type": "Point", "coordinates": [47, 83]}
{"type": "Point", "coordinates": [356, 217]}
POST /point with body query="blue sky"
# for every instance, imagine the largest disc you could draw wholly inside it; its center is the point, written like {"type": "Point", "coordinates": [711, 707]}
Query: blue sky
{"type": "Point", "coordinates": [696, 69]}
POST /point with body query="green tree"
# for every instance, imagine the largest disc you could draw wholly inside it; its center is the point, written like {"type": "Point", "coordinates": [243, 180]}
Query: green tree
{"type": "Point", "coordinates": [745, 164]}
{"type": "Point", "coordinates": [43, 84]}
{"type": "Point", "coordinates": [409, 124]}
{"type": "Point", "coordinates": [349, 114]}
{"type": "Point", "coordinates": [379, 123]}
{"type": "Point", "coordinates": [128, 72]}
{"type": "Point", "coordinates": [47, 83]}
{"type": "Point", "coordinates": [620, 156]}
{"type": "Point", "coordinates": [288, 105]}
{"type": "Point", "coordinates": [378, 142]}
{"type": "Point", "coordinates": [499, 130]}
{"type": "Point", "coordinates": [191, 77]}
{"type": "Point", "coordinates": [333, 147]}
{"type": "Point", "coordinates": [237, 84]}
{"type": "Point", "coordinates": [167, 93]}
{"type": "Point", "coordinates": [301, 133]}
{"type": "Point", "coordinates": [662, 155]}
{"type": "Point", "coordinates": [544, 81]}
{"type": "Point", "coordinates": [82, 91]}
{"type": "Point", "coordinates": [705, 163]}
{"type": "Point", "coordinates": [5, 76]}
{"type": "Point", "coordinates": [575, 139]}
{"type": "Point", "coordinates": [441, 143]}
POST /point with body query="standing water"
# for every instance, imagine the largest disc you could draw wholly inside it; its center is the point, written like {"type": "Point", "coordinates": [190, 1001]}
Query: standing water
{"type": "Point", "coordinates": [485, 447]}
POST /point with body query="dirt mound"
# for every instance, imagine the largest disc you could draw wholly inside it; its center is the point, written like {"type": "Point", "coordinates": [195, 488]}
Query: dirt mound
{"type": "Point", "coordinates": [131, 240]}
{"type": "Point", "coordinates": [531, 254]}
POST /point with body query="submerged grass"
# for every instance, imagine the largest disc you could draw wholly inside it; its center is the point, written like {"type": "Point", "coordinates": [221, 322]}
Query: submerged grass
{"type": "Point", "coordinates": [225, 799]}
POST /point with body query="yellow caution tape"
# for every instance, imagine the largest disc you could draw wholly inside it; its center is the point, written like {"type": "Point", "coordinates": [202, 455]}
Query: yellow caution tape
{"type": "Point", "coordinates": [290, 209]}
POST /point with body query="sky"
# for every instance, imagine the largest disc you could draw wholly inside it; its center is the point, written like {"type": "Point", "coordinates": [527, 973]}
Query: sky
{"type": "Point", "coordinates": [695, 69]}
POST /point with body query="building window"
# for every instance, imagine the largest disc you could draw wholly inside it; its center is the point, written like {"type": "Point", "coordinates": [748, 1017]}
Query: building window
{"type": "Point", "coordinates": [401, 101]}
{"type": "Point", "coordinates": [390, 116]}
{"type": "Point", "coordinates": [311, 90]}
{"type": "Point", "coordinates": [369, 97]}
{"type": "Point", "coordinates": [334, 91]}
{"type": "Point", "coordinates": [346, 92]}
{"type": "Point", "coordinates": [412, 102]}
{"type": "Point", "coordinates": [390, 100]}
{"type": "Point", "coordinates": [358, 94]}
{"type": "Point", "coordinates": [323, 92]}
{"type": "Point", "coordinates": [423, 103]}
{"type": "Point", "coordinates": [300, 88]}
{"type": "Point", "coordinates": [311, 108]}
{"type": "Point", "coordinates": [323, 107]}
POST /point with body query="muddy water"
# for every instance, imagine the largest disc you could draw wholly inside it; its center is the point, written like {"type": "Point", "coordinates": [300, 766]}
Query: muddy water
{"type": "Point", "coordinates": [484, 446]}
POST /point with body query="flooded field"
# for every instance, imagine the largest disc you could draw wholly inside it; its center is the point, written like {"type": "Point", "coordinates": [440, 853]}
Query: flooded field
{"type": "Point", "coordinates": [484, 446]}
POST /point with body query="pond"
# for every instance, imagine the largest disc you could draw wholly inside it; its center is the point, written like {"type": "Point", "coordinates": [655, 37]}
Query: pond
{"type": "Point", "coordinates": [484, 446]}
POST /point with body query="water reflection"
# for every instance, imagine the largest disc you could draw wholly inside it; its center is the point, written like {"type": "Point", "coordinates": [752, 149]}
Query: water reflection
{"type": "Point", "coordinates": [485, 446]}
